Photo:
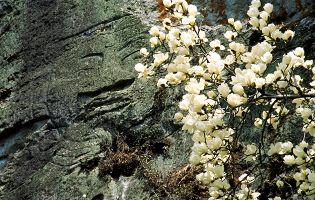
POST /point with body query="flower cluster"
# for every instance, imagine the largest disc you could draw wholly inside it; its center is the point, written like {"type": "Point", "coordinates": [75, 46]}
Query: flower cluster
{"type": "Point", "coordinates": [223, 87]}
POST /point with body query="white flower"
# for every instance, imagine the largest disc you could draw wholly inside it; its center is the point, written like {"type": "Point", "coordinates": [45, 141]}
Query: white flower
{"type": "Point", "coordinates": [255, 195]}
{"type": "Point", "coordinates": [216, 143]}
{"type": "Point", "coordinates": [234, 100]}
{"type": "Point", "coordinates": [253, 12]}
{"type": "Point", "coordinates": [307, 64]}
{"type": "Point", "coordinates": [167, 24]}
{"type": "Point", "coordinates": [251, 149]}
{"type": "Point", "coordinates": [187, 39]}
{"type": "Point", "coordinates": [198, 136]}
{"type": "Point", "coordinates": [255, 4]}
{"type": "Point", "coordinates": [289, 160]}
{"type": "Point", "coordinates": [306, 113]}
{"type": "Point", "coordinates": [162, 36]}
{"type": "Point", "coordinates": [194, 158]}
{"type": "Point", "coordinates": [178, 116]}
{"type": "Point", "coordinates": [218, 170]}
{"type": "Point", "coordinates": [199, 148]}
{"type": "Point", "coordinates": [250, 78]}
{"type": "Point", "coordinates": [192, 10]}
{"type": "Point", "coordinates": [254, 21]}
{"type": "Point", "coordinates": [215, 193]}
{"type": "Point", "coordinates": [286, 59]}
{"type": "Point", "coordinates": [194, 87]}
{"type": "Point", "coordinates": [144, 72]}
{"type": "Point", "coordinates": [178, 15]}
{"type": "Point", "coordinates": [167, 3]}
{"type": "Point", "coordinates": [230, 35]}
{"type": "Point", "coordinates": [277, 74]}
{"type": "Point", "coordinates": [215, 44]}
{"type": "Point", "coordinates": [198, 70]}
{"type": "Point", "coordinates": [299, 152]}
{"type": "Point", "coordinates": [274, 149]}
{"type": "Point", "coordinates": [264, 15]}
{"type": "Point", "coordinates": [224, 89]}
{"type": "Point", "coordinates": [267, 58]}
{"type": "Point", "coordinates": [282, 84]}
{"type": "Point", "coordinates": [299, 161]}
{"type": "Point", "coordinates": [198, 102]}
{"type": "Point", "coordinates": [262, 24]}
{"type": "Point", "coordinates": [272, 28]}
{"type": "Point", "coordinates": [270, 78]}
{"type": "Point", "coordinates": [287, 146]}
{"type": "Point", "coordinates": [144, 52]}
{"type": "Point", "coordinates": [162, 82]}
{"type": "Point", "coordinates": [211, 94]}
{"type": "Point", "coordinates": [276, 35]}
{"type": "Point", "coordinates": [279, 183]}
{"type": "Point", "coordinates": [299, 177]}
{"type": "Point", "coordinates": [311, 177]}
{"type": "Point", "coordinates": [265, 31]}
{"type": "Point", "coordinates": [311, 128]}
{"type": "Point", "coordinates": [238, 25]}
{"type": "Point", "coordinates": [154, 31]}
{"type": "Point", "coordinates": [159, 58]}
{"type": "Point", "coordinates": [268, 8]}
{"type": "Point", "coordinates": [202, 36]}
{"type": "Point", "coordinates": [154, 41]}
{"type": "Point", "coordinates": [231, 21]}
{"type": "Point", "coordinates": [304, 186]}
{"type": "Point", "coordinates": [258, 122]}
{"type": "Point", "coordinates": [299, 51]}
{"type": "Point", "coordinates": [260, 82]}
{"type": "Point", "coordinates": [288, 35]}
{"type": "Point", "coordinates": [238, 89]}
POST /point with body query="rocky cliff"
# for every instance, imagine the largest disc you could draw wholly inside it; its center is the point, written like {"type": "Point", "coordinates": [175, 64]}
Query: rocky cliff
{"type": "Point", "coordinates": [76, 123]}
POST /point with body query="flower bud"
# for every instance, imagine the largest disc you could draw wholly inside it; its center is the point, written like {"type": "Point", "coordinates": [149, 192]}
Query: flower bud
{"type": "Point", "coordinates": [231, 21]}
{"type": "Point", "coordinates": [253, 12]}
{"type": "Point", "coordinates": [224, 89]}
{"type": "Point", "coordinates": [264, 15]}
{"type": "Point", "coordinates": [265, 31]}
{"type": "Point", "coordinates": [270, 78]}
{"type": "Point", "coordinates": [272, 28]}
{"type": "Point", "coordinates": [178, 116]}
{"type": "Point", "coordinates": [268, 8]}
{"type": "Point", "coordinates": [238, 25]}
{"type": "Point", "coordinates": [254, 22]}
{"type": "Point", "coordinates": [154, 41]}
{"type": "Point", "coordinates": [238, 89]}
{"type": "Point", "coordinates": [279, 183]}
{"type": "Point", "coordinates": [251, 149]}
{"type": "Point", "coordinates": [267, 58]}
{"type": "Point", "coordinates": [255, 3]}
{"type": "Point", "coordinates": [154, 31]}
{"type": "Point", "coordinates": [167, 3]}
{"type": "Point", "coordinates": [192, 10]}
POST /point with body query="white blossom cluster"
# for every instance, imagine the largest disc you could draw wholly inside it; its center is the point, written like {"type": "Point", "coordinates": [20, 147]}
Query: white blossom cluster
{"type": "Point", "coordinates": [234, 75]}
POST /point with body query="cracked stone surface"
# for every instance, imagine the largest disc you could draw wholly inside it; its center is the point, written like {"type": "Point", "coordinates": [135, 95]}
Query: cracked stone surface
{"type": "Point", "coordinates": [68, 90]}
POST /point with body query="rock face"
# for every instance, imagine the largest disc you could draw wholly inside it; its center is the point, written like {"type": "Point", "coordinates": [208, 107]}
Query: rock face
{"type": "Point", "coordinates": [75, 122]}
{"type": "Point", "coordinates": [218, 11]}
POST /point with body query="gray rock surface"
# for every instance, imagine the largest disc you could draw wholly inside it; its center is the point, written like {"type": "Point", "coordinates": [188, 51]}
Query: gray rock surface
{"type": "Point", "coordinates": [75, 122]}
{"type": "Point", "coordinates": [217, 12]}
